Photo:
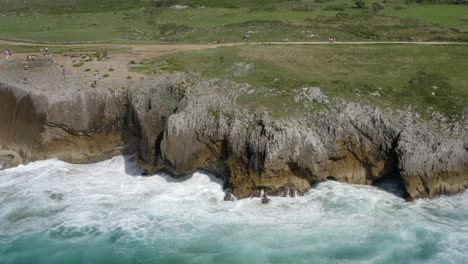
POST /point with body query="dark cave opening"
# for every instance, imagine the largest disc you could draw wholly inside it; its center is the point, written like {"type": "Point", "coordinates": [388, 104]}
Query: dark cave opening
{"type": "Point", "coordinates": [331, 178]}
{"type": "Point", "coordinates": [392, 183]}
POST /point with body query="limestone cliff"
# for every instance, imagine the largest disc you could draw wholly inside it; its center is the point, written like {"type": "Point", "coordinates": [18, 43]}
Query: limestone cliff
{"type": "Point", "coordinates": [345, 142]}
{"type": "Point", "coordinates": [84, 128]}
{"type": "Point", "coordinates": [180, 124]}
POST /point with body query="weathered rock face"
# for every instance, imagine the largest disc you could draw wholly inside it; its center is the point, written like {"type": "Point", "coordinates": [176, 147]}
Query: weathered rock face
{"type": "Point", "coordinates": [84, 129]}
{"type": "Point", "coordinates": [279, 156]}
{"type": "Point", "coordinates": [150, 106]}
{"type": "Point", "coordinates": [182, 127]}
{"type": "Point", "coordinates": [348, 143]}
{"type": "Point", "coordinates": [430, 165]}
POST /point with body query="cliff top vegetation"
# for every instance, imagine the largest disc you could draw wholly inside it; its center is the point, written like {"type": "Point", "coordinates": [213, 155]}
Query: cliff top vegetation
{"type": "Point", "coordinates": [427, 78]}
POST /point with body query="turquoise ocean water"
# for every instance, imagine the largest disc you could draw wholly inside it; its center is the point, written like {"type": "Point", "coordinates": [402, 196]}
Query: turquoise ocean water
{"type": "Point", "coordinates": [54, 212]}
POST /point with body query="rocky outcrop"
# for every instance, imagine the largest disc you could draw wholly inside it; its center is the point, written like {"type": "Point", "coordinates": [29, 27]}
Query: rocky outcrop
{"type": "Point", "coordinates": [181, 124]}
{"type": "Point", "coordinates": [346, 142]}
{"type": "Point", "coordinates": [431, 165]}
{"type": "Point", "coordinates": [9, 159]}
{"type": "Point", "coordinates": [85, 128]}
{"type": "Point", "coordinates": [150, 106]}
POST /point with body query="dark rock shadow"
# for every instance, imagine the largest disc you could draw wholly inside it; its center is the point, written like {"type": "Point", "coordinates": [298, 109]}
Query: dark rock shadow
{"type": "Point", "coordinates": [130, 166]}
{"type": "Point", "coordinates": [392, 183]}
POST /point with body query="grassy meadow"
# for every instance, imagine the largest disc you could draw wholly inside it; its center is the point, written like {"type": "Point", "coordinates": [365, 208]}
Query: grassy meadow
{"type": "Point", "coordinates": [203, 21]}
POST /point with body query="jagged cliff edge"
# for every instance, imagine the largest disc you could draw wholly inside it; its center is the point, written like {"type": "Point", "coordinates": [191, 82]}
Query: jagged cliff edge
{"type": "Point", "coordinates": [182, 128]}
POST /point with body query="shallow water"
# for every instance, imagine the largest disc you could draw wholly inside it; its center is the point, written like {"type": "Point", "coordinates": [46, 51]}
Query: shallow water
{"type": "Point", "coordinates": [54, 212]}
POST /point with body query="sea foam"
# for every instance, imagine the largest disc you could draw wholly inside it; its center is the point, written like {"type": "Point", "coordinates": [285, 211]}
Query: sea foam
{"type": "Point", "coordinates": [54, 212]}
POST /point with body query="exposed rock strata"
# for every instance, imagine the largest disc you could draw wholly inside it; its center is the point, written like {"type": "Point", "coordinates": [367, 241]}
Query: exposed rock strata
{"type": "Point", "coordinates": [181, 128]}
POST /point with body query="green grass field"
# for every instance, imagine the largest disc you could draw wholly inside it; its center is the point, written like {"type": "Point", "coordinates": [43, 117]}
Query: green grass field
{"type": "Point", "coordinates": [69, 6]}
{"type": "Point", "coordinates": [447, 15]}
{"type": "Point", "coordinates": [215, 20]}
{"type": "Point", "coordinates": [394, 76]}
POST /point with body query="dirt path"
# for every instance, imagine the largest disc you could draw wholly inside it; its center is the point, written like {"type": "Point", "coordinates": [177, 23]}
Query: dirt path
{"type": "Point", "coordinates": [167, 46]}
{"type": "Point", "coordinates": [151, 50]}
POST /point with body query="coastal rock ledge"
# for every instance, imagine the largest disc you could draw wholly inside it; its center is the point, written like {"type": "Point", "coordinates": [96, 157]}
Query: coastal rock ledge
{"type": "Point", "coordinates": [179, 124]}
